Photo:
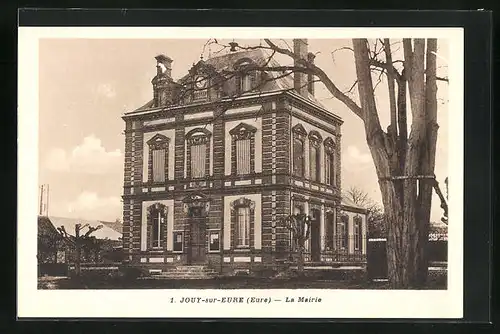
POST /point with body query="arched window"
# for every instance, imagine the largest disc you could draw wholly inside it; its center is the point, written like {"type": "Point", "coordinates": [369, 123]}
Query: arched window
{"type": "Point", "coordinates": [243, 149]}
{"type": "Point", "coordinates": [330, 162]}
{"type": "Point", "coordinates": [242, 214]}
{"type": "Point", "coordinates": [198, 153]}
{"type": "Point", "coordinates": [342, 232]}
{"type": "Point", "coordinates": [314, 156]}
{"type": "Point", "coordinates": [157, 222]}
{"type": "Point", "coordinates": [158, 158]}
{"type": "Point", "coordinates": [358, 234]}
{"type": "Point", "coordinates": [299, 136]}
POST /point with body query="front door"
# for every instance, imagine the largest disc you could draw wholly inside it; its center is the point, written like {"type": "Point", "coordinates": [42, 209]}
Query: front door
{"type": "Point", "coordinates": [315, 236]}
{"type": "Point", "coordinates": [197, 241]}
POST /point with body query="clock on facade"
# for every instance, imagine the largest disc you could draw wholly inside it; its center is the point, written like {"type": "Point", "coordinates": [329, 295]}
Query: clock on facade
{"type": "Point", "coordinates": [201, 82]}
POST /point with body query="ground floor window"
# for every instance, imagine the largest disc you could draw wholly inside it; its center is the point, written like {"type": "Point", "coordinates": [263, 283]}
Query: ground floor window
{"type": "Point", "coordinates": [178, 241]}
{"type": "Point", "coordinates": [214, 241]}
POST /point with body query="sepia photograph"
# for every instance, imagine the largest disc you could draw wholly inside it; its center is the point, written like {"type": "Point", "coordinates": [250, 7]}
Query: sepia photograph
{"type": "Point", "coordinates": [224, 161]}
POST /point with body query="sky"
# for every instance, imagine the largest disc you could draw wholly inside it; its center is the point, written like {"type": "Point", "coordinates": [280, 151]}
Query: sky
{"type": "Point", "coordinates": [85, 86]}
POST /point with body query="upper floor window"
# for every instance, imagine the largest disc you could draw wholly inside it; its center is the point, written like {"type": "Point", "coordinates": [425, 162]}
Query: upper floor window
{"type": "Point", "coordinates": [358, 235]}
{"type": "Point", "coordinates": [243, 149]}
{"type": "Point", "coordinates": [158, 158]}
{"type": "Point", "coordinates": [330, 162]}
{"type": "Point", "coordinates": [198, 153]}
{"type": "Point", "coordinates": [299, 135]}
{"type": "Point", "coordinates": [342, 232]}
{"type": "Point", "coordinates": [157, 221]}
{"type": "Point", "coordinates": [314, 156]}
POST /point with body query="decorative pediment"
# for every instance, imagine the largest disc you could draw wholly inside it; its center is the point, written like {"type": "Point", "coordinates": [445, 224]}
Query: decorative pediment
{"type": "Point", "coordinates": [243, 62]}
{"type": "Point", "coordinates": [329, 143]}
{"type": "Point", "coordinates": [198, 132]}
{"type": "Point", "coordinates": [315, 138]}
{"type": "Point", "coordinates": [299, 130]}
{"type": "Point", "coordinates": [155, 208]}
{"type": "Point", "coordinates": [158, 141]}
{"type": "Point", "coordinates": [196, 200]}
{"type": "Point", "coordinates": [242, 202]}
{"type": "Point", "coordinates": [243, 131]}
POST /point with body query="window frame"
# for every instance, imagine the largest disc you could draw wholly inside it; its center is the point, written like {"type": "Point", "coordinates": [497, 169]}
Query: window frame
{"type": "Point", "coordinates": [198, 136]}
{"type": "Point", "coordinates": [174, 234]}
{"type": "Point", "coordinates": [237, 204]}
{"type": "Point", "coordinates": [158, 142]}
{"type": "Point", "coordinates": [343, 238]}
{"type": "Point", "coordinates": [157, 211]}
{"type": "Point", "coordinates": [299, 135]}
{"type": "Point", "coordinates": [210, 233]}
{"type": "Point", "coordinates": [242, 131]}
{"type": "Point", "coordinates": [358, 235]}
{"type": "Point", "coordinates": [330, 162]}
{"type": "Point", "coordinates": [315, 141]}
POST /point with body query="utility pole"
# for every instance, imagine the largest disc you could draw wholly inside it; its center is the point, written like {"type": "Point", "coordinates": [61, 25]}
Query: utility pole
{"type": "Point", "coordinates": [78, 250]}
{"type": "Point", "coordinates": [41, 200]}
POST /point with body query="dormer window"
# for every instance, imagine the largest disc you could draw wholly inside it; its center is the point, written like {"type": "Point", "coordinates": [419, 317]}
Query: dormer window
{"type": "Point", "coordinates": [246, 78]}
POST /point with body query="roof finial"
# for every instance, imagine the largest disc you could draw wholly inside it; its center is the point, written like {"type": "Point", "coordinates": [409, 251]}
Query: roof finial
{"type": "Point", "coordinates": [233, 46]}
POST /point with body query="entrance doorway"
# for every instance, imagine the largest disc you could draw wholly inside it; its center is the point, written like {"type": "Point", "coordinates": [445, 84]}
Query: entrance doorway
{"type": "Point", "coordinates": [315, 235]}
{"type": "Point", "coordinates": [197, 232]}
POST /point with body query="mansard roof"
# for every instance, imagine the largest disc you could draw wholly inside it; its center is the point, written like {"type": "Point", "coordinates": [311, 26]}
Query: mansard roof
{"type": "Point", "coordinates": [227, 62]}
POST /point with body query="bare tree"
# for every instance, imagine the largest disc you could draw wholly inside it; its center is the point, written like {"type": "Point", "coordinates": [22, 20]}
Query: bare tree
{"type": "Point", "coordinates": [375, 212]}
{"type": "Point", "coordinates": [403, 154]}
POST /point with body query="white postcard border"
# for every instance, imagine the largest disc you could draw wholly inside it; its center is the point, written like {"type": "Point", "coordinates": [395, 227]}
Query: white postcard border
{"type": "Point", "coordinates": [155, 303]}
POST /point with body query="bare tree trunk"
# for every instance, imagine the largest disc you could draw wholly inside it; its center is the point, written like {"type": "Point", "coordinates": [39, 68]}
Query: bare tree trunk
{"type": "Point", "coordinates": [406, 200]}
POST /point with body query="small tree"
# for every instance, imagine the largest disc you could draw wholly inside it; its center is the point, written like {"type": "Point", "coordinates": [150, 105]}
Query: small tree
{"type": "Point", "coordinates": [79, 241]}
{"type": "Point", "coordinates": [299, 226]}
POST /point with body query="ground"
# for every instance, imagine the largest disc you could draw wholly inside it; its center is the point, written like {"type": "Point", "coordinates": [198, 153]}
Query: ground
{"type": "Point", "coordinates": [437, 281]}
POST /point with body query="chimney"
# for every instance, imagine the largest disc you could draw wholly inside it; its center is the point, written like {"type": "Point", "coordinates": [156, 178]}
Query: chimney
{"type": "Point", "coordinates": [300, 79]}
{"type": "Point", "coordinates": [164, 65]}
{"type": "Point", "coordinates": [310, 77]}
{"type": "Point", "coordinates": [162, 82]}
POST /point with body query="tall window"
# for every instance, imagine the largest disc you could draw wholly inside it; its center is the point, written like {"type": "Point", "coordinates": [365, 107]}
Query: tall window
{"type": "Point", "coordinates": [342, 232]}
{"type": "Point", "coordinates": [314, 156]}
{"type": "Point", "coordinates": [157, 215]}
{"type": "Point", "coordinates": [158, 158]}
{"type": "Point", "coordinates": [358, 235]}
{"type": "Point", "coordinates": [243, 144]}
{"type": "Point", "coordinates": [329, 230]}
{"type": "Point", "coordinates": [243, 227]}
{"type": "Point", "coordinates": [198, 153]}
{"type": "Point", "coordinates": [299, 135]}
{"type": "Point", "coordinates": [330, 173]}
{"type": "Point", "coordinates": [242, 213]}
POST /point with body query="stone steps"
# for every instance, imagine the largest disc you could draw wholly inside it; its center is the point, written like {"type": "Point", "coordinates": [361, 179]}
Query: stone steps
{"type": "Point", "coordinates": [185, 272]}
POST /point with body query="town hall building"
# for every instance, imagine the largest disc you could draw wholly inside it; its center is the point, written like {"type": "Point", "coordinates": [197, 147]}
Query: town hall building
{"type": "Point", "coordinates": [216, 161]}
